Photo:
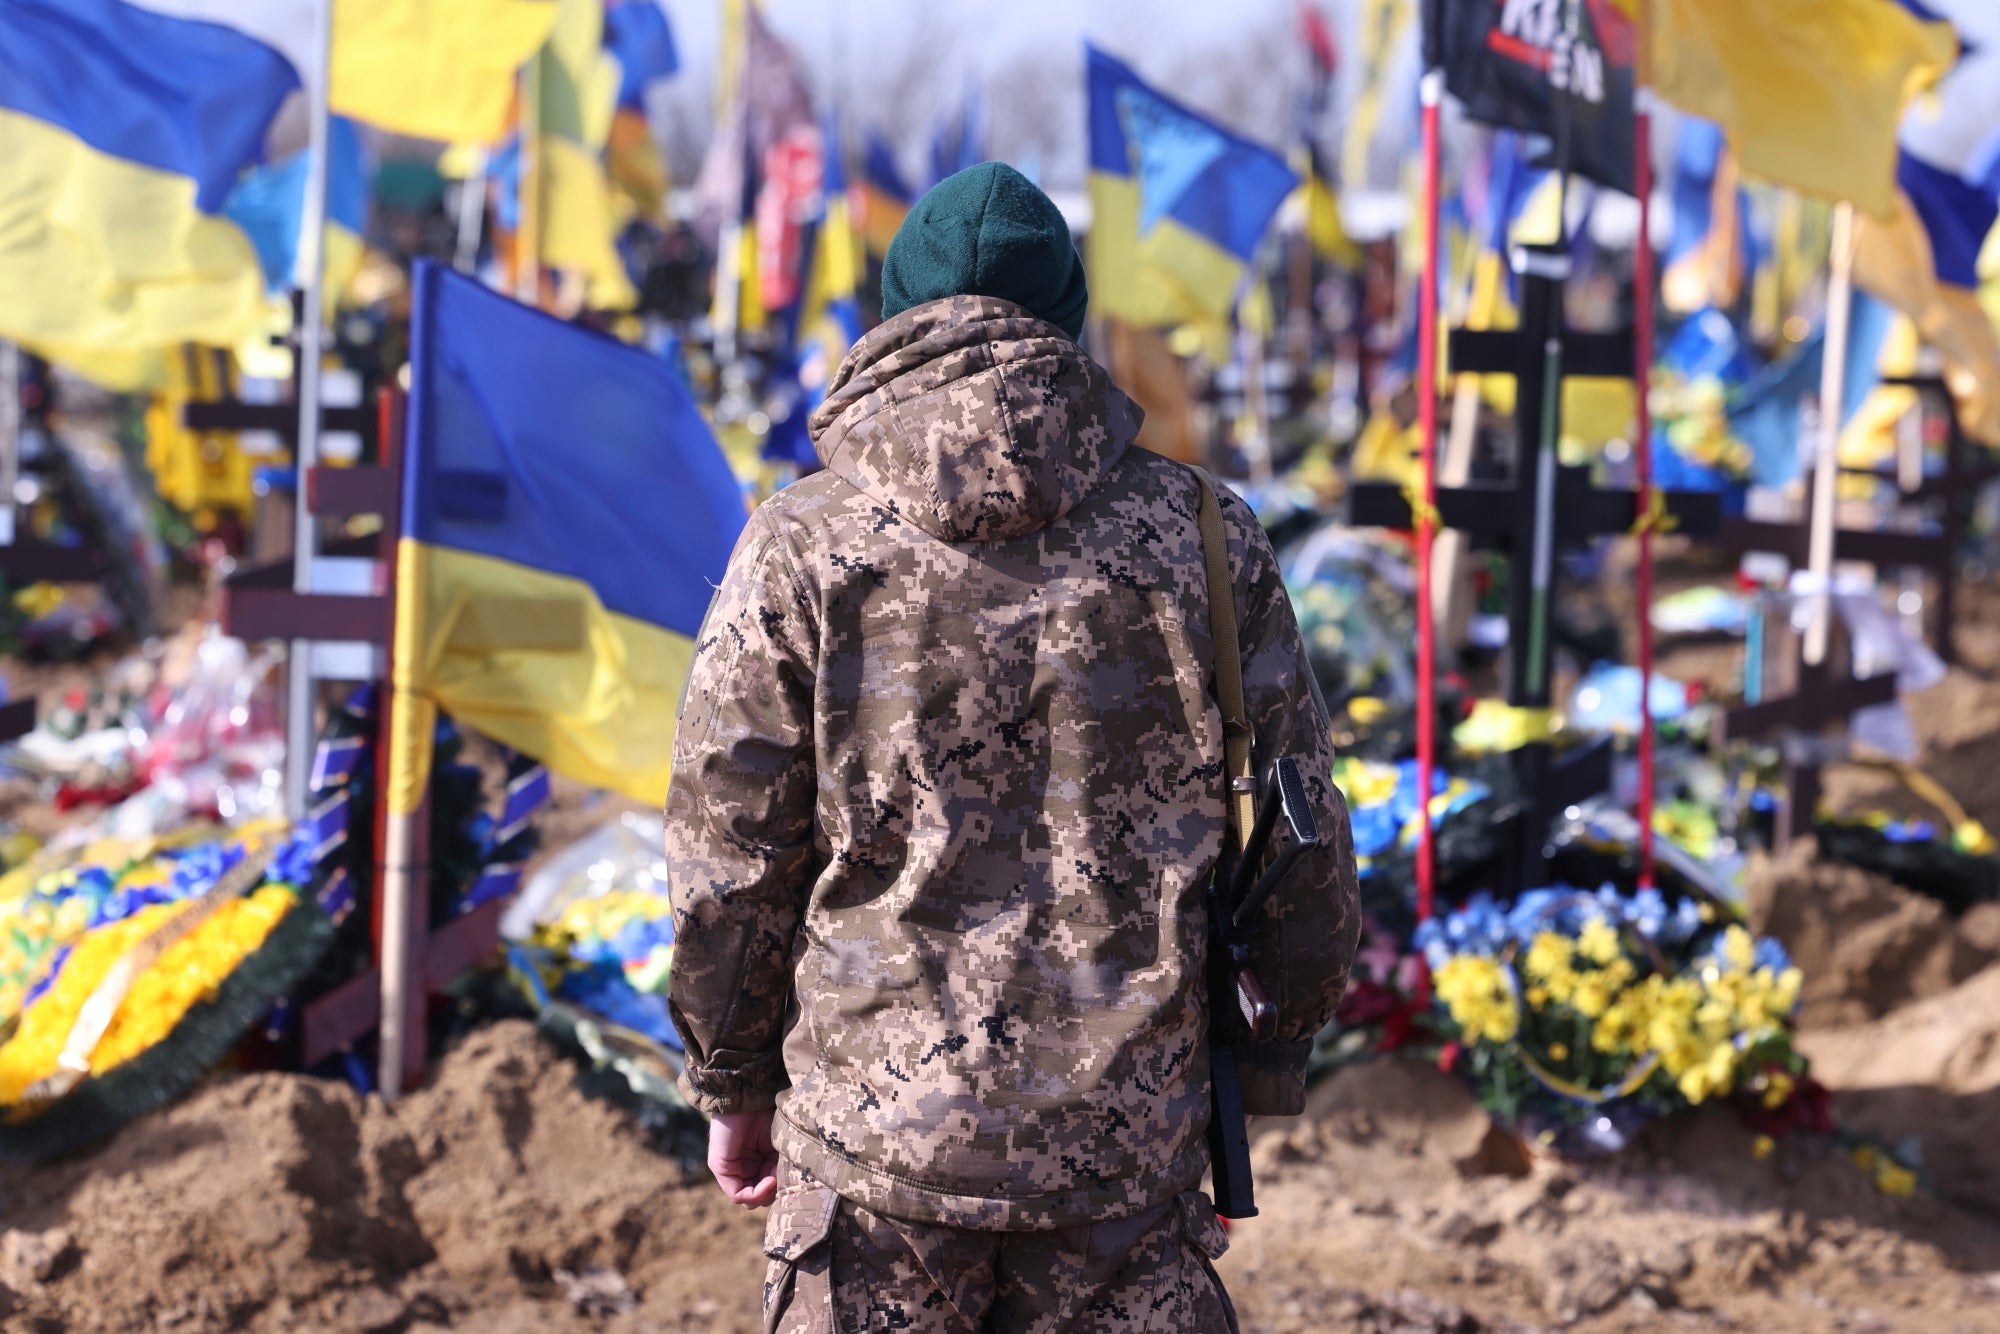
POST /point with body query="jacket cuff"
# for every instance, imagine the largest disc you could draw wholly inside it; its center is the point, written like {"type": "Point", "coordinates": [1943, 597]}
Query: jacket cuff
{"type": "Point", "coordinates": [1273, 1076]}
{"type": "Point", "coordinates": [734, 1081]}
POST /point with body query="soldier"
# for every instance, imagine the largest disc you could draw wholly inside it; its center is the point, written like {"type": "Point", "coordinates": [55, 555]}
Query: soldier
{"type": "Point", "coordinates": [948, 791]}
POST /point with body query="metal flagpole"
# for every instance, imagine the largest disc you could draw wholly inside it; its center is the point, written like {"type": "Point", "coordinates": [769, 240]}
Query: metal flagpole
{"type": "Point", "coordinates": [309, 275]}
{"type": "Point", "coordinates": [402, 802]}
{"type": "Point", "coordinates": [10, 435]}
{"type": "Point", "coordinates": [1642, 374]}
{"type": "Point", "coordinates": [471, 214]}
{"type": "Point", "coordinates": [528, 236]}
{"type": "Point", "coordinates": [1431, 94]}
{"type": "Point", "coordinates": [1826, 466]}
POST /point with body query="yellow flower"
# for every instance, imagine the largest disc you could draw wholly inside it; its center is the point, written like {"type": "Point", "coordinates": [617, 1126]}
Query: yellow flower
{"type": "Point", "coordinates": [1893, 1178]}
{"type": "Point", "coordinates": [1548, 955]}
{"type": "Point", "coordinates": [1761, 1146]}
{"type": "Point", "coordinates": [1738, 949]}
{"type": "Point", "coordinates": [1593, 994]}
{"type": "Point", "coordinates": [1598, 941]}
{"type": "Point", "coordinates": [1474, 989]}
{"type": "Point", "coordinates": [1777, 1087]}
{"type": "Point", "coordinates": [38, 600]}
{"type": "Point", "coordinates": [1558, 1051]}
{"type": "Point", "coordinates": [187, 972]}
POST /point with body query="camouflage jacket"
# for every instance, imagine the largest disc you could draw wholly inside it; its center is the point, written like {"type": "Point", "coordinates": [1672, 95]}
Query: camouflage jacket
{"type": "Point", "coordinates": [948, 789]}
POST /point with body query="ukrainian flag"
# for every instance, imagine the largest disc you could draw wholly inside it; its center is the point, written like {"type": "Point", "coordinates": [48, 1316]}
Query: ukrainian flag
{"type": "Point", "coordinates": [1178, 204]}
{"type": "Point", "coordinates": [1704, 259]}
{"type": "Point", "coordinates": [885, 196]}
{"type": "Point", "coordinates": [1809, 91]}
{"type": "Point", "coordinates": [269, 205]}
{"type": "Point", "coordinates": [825, 321]}
{"type": "Point", "coordinates": [435, 69]}
{"type": "Point", "coordinates": [830, 317]}
{"type": "Point", "coordinates": [566, 512]}
{"type": "Point", "coordinates": [1924, 258]}
{"type": "Point", "coordinates": [122, 132]}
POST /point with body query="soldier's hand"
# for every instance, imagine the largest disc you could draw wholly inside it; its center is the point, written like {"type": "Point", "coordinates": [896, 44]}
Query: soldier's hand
{"type": "Point", "coordinates": [741, 1157]}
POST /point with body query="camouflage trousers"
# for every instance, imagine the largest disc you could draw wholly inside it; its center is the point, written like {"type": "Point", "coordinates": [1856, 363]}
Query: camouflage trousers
{"type": "Point", "coordinates": [840, 1269]}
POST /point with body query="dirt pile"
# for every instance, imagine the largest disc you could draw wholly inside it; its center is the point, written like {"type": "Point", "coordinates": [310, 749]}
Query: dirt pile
{"type": "Point", "coordinates": [1929, 1072]}
{"type": "Point", "coordinates": [274, 1202]}
{"type": "Point", "coordinates": [498, 1198]}
{"type": "Point", "coordinates": [1865, 944]}
{"type": "Point", "coordinates": [1392, 1184]}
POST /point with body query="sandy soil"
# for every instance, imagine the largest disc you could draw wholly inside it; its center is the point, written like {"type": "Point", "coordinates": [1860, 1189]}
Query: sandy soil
{"type": "Point", "coordinates": [499, 1198]}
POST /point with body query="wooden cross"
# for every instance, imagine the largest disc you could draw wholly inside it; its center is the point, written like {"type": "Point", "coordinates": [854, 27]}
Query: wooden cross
{"type": "Point", "coordinates": [1546, 507]}
{"type": "Point", "coordinates": [1821, 698]}
{"type": "Point", "coordinates": [1935, 553]}
{"type": "Point", "coordinates": [281, 419]}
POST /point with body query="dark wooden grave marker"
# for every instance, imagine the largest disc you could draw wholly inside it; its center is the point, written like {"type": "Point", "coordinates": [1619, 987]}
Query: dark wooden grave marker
{"type": "Point", "coordinates": [1546, 508]}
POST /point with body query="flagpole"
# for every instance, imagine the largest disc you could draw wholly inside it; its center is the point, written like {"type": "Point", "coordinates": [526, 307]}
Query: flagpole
{"type": "Point", "coordinates": [1430, 95]}
{"type": "Point", "coordinates": [528, 184]}
{"type": "Point", "coordinates": [309, 275]}
{"type": "Point", "coordinates": [1826, 467]}
{"type": "Point", "coordinates": [471, 215]}
{"type": "Point", "coordinates": [10, 435]}
{"type": "Point", "coordinates": [403, 797]}
{"type": "Point", "coordinates": [733, 110]}
{"type": "Point", "coordinates": [1642, 376]}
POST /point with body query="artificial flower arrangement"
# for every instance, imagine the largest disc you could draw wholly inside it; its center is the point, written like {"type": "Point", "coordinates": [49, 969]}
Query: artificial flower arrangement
{"type": "Point", "coordinates": [1382, 805]}
{"type": "Point", "coordinates": [608, 954]}
{"type": "Point", "coordinates": [54, 898]}
{"type": "Point", "coordinates": [1578, 1017]}
{"type": "Point", "coordinates": [1692, 414]}
{"type": "Point", "coordinates": [205, 962]}
{"type": "Point", "coordinates": [595, 972]}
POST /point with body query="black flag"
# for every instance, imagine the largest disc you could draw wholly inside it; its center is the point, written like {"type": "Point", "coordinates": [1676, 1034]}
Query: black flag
{"type": "Point", "coordinates": [1513, 62]}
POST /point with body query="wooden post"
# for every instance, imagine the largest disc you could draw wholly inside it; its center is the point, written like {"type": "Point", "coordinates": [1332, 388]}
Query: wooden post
{"type": "Point", "coordinates": [1546, 506]}
{"type": "Point", "coordinates": [1826, 466]}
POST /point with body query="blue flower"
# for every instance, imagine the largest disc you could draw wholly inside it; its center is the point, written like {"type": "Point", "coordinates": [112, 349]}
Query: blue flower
{"type": "Point", "coordinates": [294, 863]}
{"type": "Point", "coordinates": [1770, 954]}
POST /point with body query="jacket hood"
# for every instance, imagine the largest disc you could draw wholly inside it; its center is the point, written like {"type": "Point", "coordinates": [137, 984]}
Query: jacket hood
{"type": "Point", "coordinates": [973, 419]}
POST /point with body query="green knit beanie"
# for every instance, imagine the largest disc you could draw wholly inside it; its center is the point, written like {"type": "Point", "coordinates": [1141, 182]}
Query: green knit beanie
{"type": "Point", "coordinates": [987, 231]}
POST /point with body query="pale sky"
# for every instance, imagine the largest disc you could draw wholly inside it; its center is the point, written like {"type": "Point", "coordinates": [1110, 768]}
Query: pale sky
{"type": "Point", "coordinates": [903, 65]}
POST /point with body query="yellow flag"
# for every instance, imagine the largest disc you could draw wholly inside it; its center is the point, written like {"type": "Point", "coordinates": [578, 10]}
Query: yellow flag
{"type": "Point", "coordinates": [436, 69]}
{"type": "Point", "coordinates": [576, 92]}
{"type": "Point", "coordinates": [1892, 260]}
{"type": "Point", "coordinates": [1809, 91]}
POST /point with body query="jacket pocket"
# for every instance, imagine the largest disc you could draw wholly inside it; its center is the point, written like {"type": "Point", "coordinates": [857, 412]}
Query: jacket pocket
{"type": "Point", "coordinates": [1203, 1228]}
{"type": "Point", "coordinates": [798, 1286]}
{"type": "Point", "coordinates": [1208, 1308]}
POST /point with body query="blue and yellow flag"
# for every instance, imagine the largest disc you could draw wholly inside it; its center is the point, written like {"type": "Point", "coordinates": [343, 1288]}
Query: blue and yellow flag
{"type": "Point", "coordinates": [122, 132]}
{"type": "Point", "coordinates": [435, 69]}
{"type": "Point", "coordinates": [1704, 259]}
{"type": "Point", "coordinates": [1809, 91]}
{"type": "Point", "coordinates": [827, 319]}
{"type": "Point", "coordinates": [1178, 203]}
{"type": "Point", "coordinates": [885, 195]}
{"type": "Point", "coordinates": [1924, 258]}
{"type": "Point", "coordinates": [638, 37]}
{"type": "Point", "coordinates": [269, 205]}
{"type": "Point", "coordinates": [566, 513]}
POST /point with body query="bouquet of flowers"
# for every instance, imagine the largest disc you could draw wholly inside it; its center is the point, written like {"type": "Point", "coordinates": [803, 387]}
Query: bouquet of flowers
{"type": "Point", "coordinates": [1580, 1016]}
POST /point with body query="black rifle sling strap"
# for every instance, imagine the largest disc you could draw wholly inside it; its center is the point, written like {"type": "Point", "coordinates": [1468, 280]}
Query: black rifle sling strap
{"type": "Point", "coordinates": [1240, 795]}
